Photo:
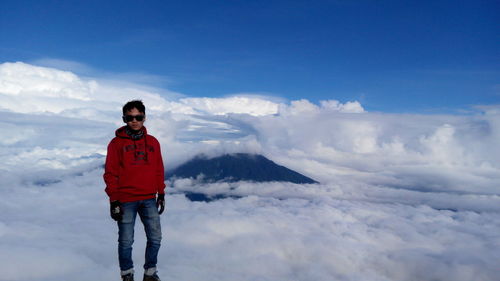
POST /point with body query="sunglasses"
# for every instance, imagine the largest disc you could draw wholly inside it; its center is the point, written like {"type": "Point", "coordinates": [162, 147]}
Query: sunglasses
{"type": "Point", "coordinates": [130, 118]}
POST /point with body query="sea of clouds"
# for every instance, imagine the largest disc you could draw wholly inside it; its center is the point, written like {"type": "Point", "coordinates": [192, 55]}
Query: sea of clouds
{"type": "Point", "coordinates": [401, 196]}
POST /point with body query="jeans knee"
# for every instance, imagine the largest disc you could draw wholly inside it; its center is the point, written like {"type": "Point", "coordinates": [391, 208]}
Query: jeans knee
{"type": "Point", "coordinates": [125, 242]}
{"type": "Point", "coordinates": [154, 242]}
{"type": "Point", "coordinates": [153, 231]}
{"type": "Point", "coordinates": [154, 238]}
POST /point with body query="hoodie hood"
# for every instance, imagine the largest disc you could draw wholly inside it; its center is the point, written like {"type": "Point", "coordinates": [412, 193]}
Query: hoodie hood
{"type": "Point", "coordinates": [122, 132]}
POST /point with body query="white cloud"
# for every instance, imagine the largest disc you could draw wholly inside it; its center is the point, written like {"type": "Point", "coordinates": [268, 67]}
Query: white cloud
{"type": "Point", "coordinates": [351, 107]}
{"type": "Point", "coordinates": [237, 104]}
{"type": "Point", "coordinates": [403, 197]}
{"type": "Point", "coordinates": [66, 65]}
{"type": "Point", "coordinates": [33, 89]}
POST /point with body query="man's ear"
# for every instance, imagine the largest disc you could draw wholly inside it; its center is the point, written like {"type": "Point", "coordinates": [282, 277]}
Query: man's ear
{"type": "Point", "coordinates": [124, 120]}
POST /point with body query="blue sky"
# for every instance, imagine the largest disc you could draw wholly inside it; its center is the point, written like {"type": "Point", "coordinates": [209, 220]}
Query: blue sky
{"type": "Point", "coordinates": [392, 56]}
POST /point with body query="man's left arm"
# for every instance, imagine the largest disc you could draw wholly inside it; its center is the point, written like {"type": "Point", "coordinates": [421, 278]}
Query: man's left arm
{"type": "Point", "coordinates": [160, 182]}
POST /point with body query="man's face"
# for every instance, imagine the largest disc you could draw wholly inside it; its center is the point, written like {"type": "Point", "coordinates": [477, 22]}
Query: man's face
{"type": "Point", "coordinates": [134, 124]}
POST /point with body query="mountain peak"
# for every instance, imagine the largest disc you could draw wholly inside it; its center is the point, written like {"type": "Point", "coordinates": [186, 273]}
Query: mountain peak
{"type": "Point", "coordinates": [237, 167]}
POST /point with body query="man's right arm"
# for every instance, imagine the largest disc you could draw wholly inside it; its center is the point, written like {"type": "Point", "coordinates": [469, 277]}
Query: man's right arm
{"type": "Point", "coordinates": [111, 171]}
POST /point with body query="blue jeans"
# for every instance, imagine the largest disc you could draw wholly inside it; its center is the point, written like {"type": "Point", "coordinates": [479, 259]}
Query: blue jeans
{"type": "Point", "coordinates": [148, 212]}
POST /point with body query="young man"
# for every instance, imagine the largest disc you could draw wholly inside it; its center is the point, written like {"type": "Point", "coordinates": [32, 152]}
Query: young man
{"type": "Point", "coordinates": [134, 177]}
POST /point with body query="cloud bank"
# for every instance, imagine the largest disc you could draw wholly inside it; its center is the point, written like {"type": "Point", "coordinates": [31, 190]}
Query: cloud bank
{"type": "Point", "coordinates": [402, 196]}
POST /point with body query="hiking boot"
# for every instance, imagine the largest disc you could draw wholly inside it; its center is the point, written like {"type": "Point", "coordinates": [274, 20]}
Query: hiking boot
{"type": "Point", "coordinates": [153, 277]}
{"type": "Point", "coordinates": [128, 277]}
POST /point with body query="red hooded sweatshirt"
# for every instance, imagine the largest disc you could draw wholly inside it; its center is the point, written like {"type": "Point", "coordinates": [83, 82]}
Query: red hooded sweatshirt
{"type": "Point", "coordinates": [134, 168]}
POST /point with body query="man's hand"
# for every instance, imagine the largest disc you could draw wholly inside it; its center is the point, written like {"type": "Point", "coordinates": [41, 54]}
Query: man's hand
{"type": "Point", "coordinates": [160, 203]}
{"type": "Point", "coordinates": [116, 210]}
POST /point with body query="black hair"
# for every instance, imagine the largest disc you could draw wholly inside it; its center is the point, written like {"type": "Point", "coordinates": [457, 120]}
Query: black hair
{"type": "Point", "coordinates": [134, 104]}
